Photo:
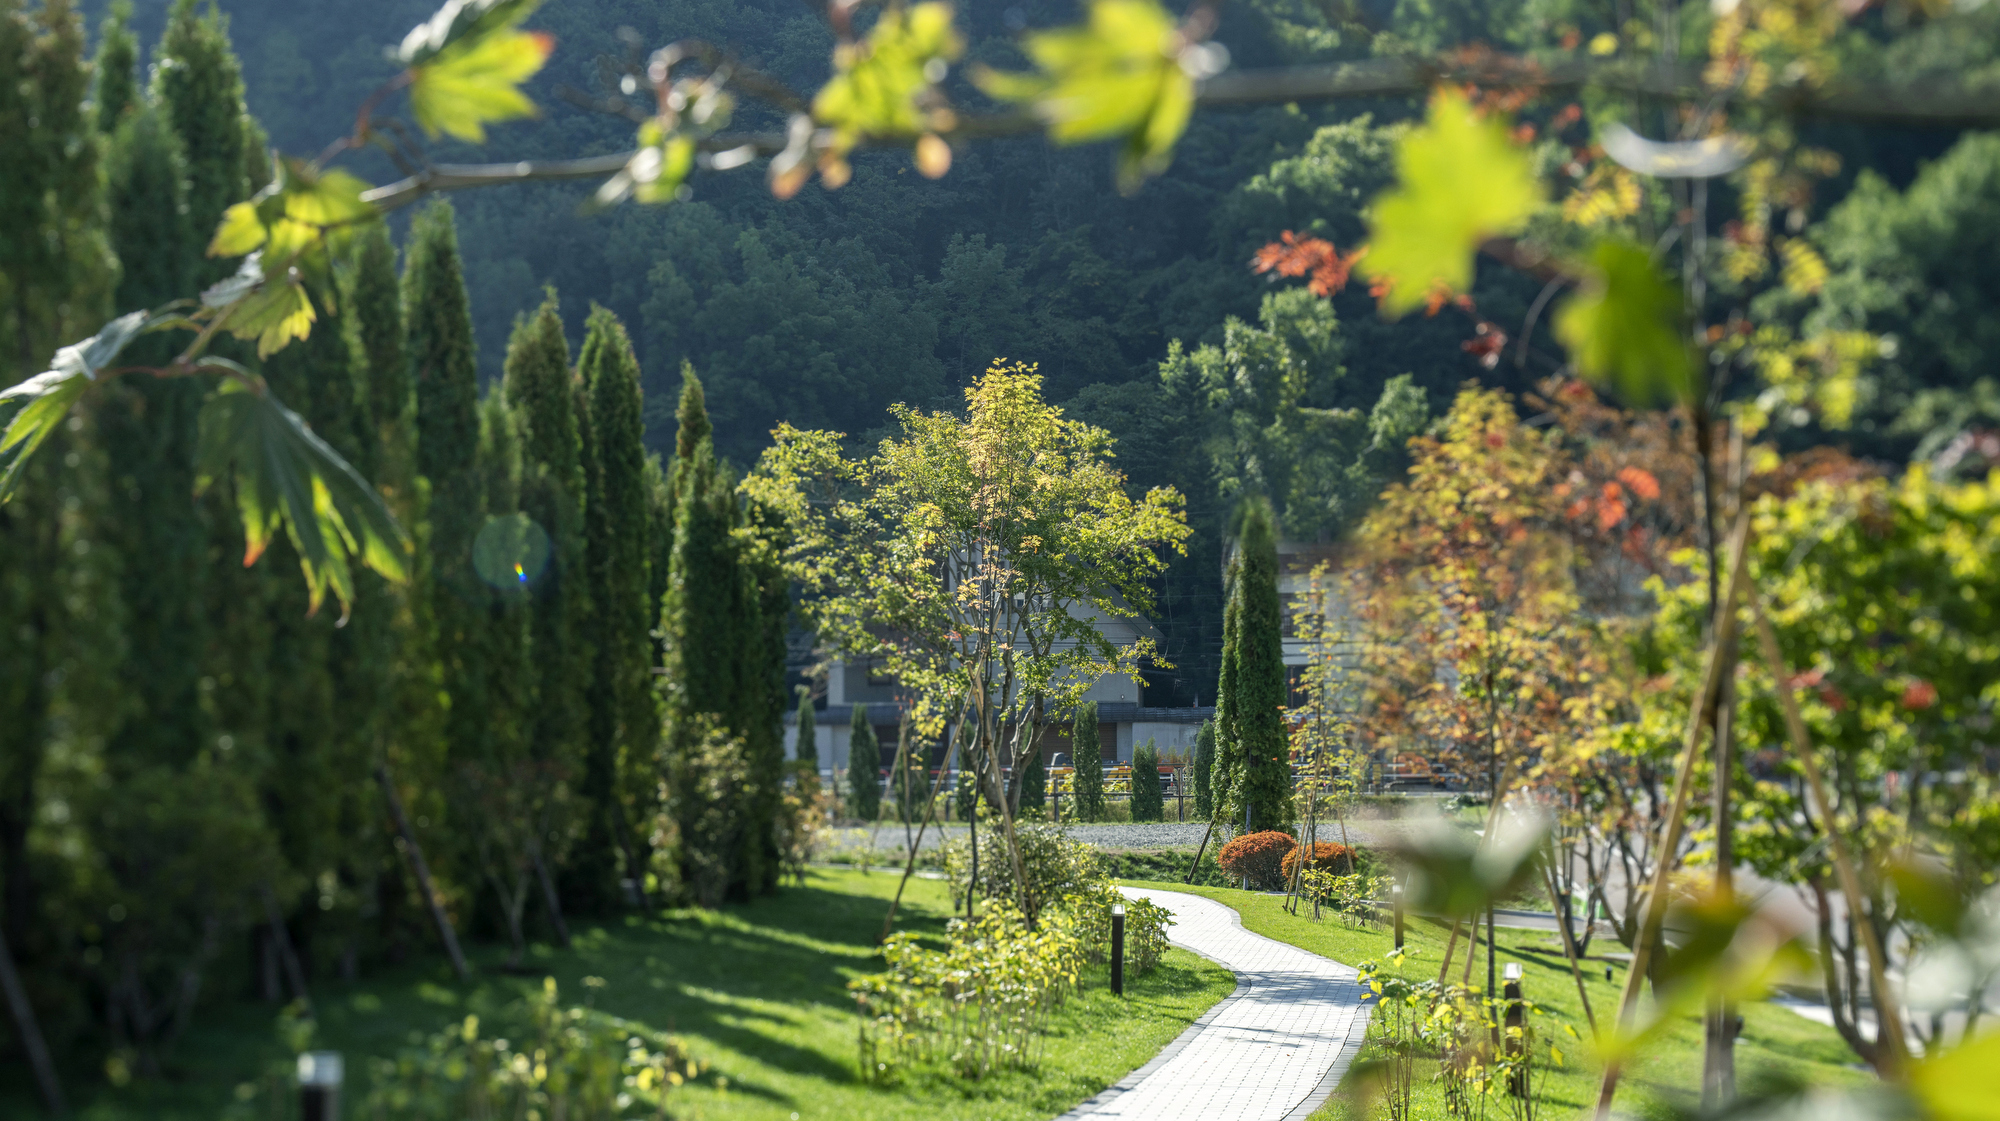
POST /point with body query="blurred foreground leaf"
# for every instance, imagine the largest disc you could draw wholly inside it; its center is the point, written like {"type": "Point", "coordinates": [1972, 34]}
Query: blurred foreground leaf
{"type": "Point", "coordinates": [467, 64]}
{"type": "Point", "coordinates": [285, 474]}
{"type": "Point", "coordinates": [40, 403]}
{"type": "Point", "coordinates": [1459, 181]}
{"type": "Point", "coordinates": [1624, 328]}
{"type": "Point", "coordinates": [1118, 76]}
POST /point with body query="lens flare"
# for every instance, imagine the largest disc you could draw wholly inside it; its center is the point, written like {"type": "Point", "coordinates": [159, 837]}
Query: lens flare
{"type": "Point", "coordinates": [511, 553]}
{"type": "Point", "coordinates": [520, 574]}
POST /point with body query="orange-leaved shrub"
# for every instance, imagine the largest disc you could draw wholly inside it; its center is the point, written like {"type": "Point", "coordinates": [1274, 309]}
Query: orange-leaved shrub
{"type": "Point", "coordinates": [1259, 856]}
{"type": "Point", "coordinates": [1328, 856]}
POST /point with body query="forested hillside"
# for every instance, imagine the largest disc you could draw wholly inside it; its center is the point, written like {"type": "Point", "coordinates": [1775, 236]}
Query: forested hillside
{"type": "Point", "coordinates": [823, 309]}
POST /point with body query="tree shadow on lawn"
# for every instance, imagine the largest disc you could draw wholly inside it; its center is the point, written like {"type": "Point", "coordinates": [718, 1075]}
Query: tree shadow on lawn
{"type": "Point", "coordinates": [713, 974]}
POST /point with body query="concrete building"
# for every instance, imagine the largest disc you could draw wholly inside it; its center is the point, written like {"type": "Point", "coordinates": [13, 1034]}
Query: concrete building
{"type": "Point", "coordinates": [1123, 723]}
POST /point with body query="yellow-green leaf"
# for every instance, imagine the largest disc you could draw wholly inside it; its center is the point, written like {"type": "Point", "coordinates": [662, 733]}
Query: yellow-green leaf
{"type": "Point", "coordinates": [878, 84]}
{"type": "Point", "coordinates": [1805, 271]}
{"type": "Point", "coordinates": [1119, 75]}
{"type": "Point", "coordinates": [1624, 328]}
{"type": "Point", "coordinates": [1958, 1085]}
{"type": "Point", "coordinates": [461, 21]}
{"type": "Point", "coordinates": [476, 82]}
{"type": "Point", "coordinates": [1459, 181]}
{"type": "Point", "coordinates": [240, 231]}
{"type": "Point", "coordinates": [273, 310]}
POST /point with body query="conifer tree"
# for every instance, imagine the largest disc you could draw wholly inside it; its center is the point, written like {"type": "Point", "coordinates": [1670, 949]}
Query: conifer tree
{"type": "Point", "coordinates": [116, 67]}
{"type": "Point", "coordinates": [1089, 781]}
{"type": "Point", "coordinates": [623, 712]}
{"type": "Point", "coordinates": [54, 281]}
{"type": "Point", "coordinates": [1224, 768]}
{"type": "Point", "coordinates": [199, 84]}
{"type": "Point", "coordinates": [438, 318]}
{"type": "Point", "coordinates": [1035, 783]}
{"type": "Point", "coordinates": [721, 727]}
{"type": "Point", "coordinates": [388, 454]}
{"type": "Point", "coordinates": [804, 749]}
{"type": "Point", "coordinates": [538, 388]}
{"type": "Point", "coordinates": [864, 767]}
{"type": "Point", "coordinates": [1255, 680]}
{"type": "Point", "coordinates": [1148, 802]}
{"type": "Point", "coordinates": [1204, 769]}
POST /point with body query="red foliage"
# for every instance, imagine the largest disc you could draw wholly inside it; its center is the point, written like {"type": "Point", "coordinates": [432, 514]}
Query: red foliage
{"type": "Point", "coordinates": [1919, 695]}
{"type": "Point", "coordinates": [1486, 344]}
{"type": "Point", "coordinates": [1260, 856]}
{"type": "Point", "coordinates": [1328, 856]}
{"type": "Point", "coordinates": [1292, 255]}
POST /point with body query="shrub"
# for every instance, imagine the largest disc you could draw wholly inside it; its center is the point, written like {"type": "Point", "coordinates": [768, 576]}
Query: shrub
{"type": "Point", "coordinates": [1328, 856]}
{"type": "Point", "coordinates": [1055, 864]}
{"type": "Point", "coordinates": [544, 1060]}
{"type": "Point", "coordinates": [1148, 804]}
{"type": "Point", "coordinates": [1087, 915]}
{"type": "Point", "coordinates": [979, 1004]}
{"type": "Point", "coordinates": [1260, 857]}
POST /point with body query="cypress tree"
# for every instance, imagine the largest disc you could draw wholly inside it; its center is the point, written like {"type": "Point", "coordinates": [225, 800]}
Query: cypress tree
{"type": "Point", "coordinates": [1089, 763]}
{"type": "Point", "coordinates": [1148, 801]}
{"type": "Point", "coordinates": [388, 454]}
{"type": "Point", "coordinates": [1257, 701]}
{"type": "Point", "coordinates": [1204, 769]}
{"type": "Point", "coordinates": [54, 270]}
{"type": "Point", "coordinates": [722, 737]}
{"type": "Point", "coordinates": [117, 88]}
{"type": "Point", "coordinates": [538, 388]}
{"type": "Point", "coordinates": [199, 84]}
{"type": "Point", "coordinates": [864, 767]}
{"type": "Point", "coordinates": [1225, 789]}
{"type": "Point", "coordinates": [1035, 783]}
{"type": "Point", "coordinates": [438, 318]}
{"type": "Point", "coordinates": [623, 712]}
{"type": "Point", "coordinates": [804, 748]}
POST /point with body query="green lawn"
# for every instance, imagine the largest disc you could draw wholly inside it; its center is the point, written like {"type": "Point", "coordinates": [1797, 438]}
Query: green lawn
{"type": "Point", "coordinates": [1773, 1039]}
{"type": "Point", "coordinates": [758, 991]}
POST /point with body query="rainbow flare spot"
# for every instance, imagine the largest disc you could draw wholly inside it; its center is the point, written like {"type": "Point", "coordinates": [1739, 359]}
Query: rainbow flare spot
{"type": "Point", "coordinates": [519, 573]}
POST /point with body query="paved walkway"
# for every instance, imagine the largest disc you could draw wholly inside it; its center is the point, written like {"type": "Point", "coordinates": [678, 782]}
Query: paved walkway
{"type": "Point", "coordinates": [1272, 1051]}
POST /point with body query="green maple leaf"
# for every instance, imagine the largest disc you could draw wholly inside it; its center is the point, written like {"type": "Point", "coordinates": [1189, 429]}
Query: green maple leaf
{"type": "Point", "coordinates": [1624, 328]}
{"type": "Point", "coordinates": [1460, 181]}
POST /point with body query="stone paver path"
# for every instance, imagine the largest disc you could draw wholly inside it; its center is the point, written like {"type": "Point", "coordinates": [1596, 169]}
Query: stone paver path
{"type": "Point", "coordinates": [1272, 1051]}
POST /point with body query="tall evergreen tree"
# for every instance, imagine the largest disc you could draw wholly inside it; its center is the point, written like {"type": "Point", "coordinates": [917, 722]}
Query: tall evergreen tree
{"type": "Point", "coordinates": [1224, 789]}
{"type": "Point", "coordinates": [721, 733]}
{"type": "Point", "coordinates": [199, 84]}
{"type": "Point", "coordinates": [438, 318]}
{"type": "Point", "coordinates": [864, 767]}
{"type": "Point", "coordinates": [804, 748]}
{"type": "Point", "coordinates": [387, 454]}
{"type": "Point", "coordinates": [1089, 774]}
{"type": "Point", "coordinates": [1204, 769]}
{"type": "Point", "coordinates": [1255, 680]}
{"type": "Point", "coordinates": [538, 388]}
{"type": "Point", "coordinates": [1035, 783]}
{"type": "Point", "coordinates": [1148, 802]}
{"type": "Point", "coordinates": [623, 711]}
{"type": "Point", "coordinates": [54, 286]}
{"type": "Point", "coordinates": [117, 84]}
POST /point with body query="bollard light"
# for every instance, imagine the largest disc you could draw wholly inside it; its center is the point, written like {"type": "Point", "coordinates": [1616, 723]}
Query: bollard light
{"type": "Point", "coordinates": [1513, 972]}
{"type": "Point", "coordinates": [1515, 1018]}
{"type": "Point", "coordinates": [1396, 908]}
{"type": "Point", "coordinates": [320, 1075]}
{"type": "Point", "coordinates": [1118, 949]}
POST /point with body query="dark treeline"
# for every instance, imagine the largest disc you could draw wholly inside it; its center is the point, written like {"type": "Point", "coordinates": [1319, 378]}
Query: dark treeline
{"type": "Point", "coordinates": [207, 790]}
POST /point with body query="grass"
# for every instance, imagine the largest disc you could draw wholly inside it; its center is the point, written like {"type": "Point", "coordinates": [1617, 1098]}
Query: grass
{"type": "Point", "coordinates": [1773, 1040]}
{"type": "Point", "coordinates": [757, 991]}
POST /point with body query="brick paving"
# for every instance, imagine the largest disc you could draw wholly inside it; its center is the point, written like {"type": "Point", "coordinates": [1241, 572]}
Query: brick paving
{"type": "Point", "coordinates": [1272, 1051]}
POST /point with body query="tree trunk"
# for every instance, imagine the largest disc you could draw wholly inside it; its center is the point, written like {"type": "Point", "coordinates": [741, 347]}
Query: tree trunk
{"type": "Point", "coordinates": [551, 899]}
{"type": "Point", "coordinates": [281, 940]}
{"type": "Point", "coordinates": [29, 1029]}
{"type": "Point", "coordinates": [415, 854]}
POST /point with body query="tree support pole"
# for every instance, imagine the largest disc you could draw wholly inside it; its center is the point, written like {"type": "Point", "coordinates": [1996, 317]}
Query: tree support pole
{"type": "Point", "coordinates": [1656, 899]}
{"type": "Point", "coordinates": [1890, 1041]}
{"type": "Point", "coordinates": [415, 854]}
{"type": "Point", "coordinates": [930, 811]}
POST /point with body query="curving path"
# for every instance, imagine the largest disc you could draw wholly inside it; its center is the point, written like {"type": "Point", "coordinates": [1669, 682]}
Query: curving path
{"type": "Point", "coordinates": [1271, 1051]}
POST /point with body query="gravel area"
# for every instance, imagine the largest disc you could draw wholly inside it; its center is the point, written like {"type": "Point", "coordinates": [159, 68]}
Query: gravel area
{"type": "Point", "coordinates": [1117, 835]}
